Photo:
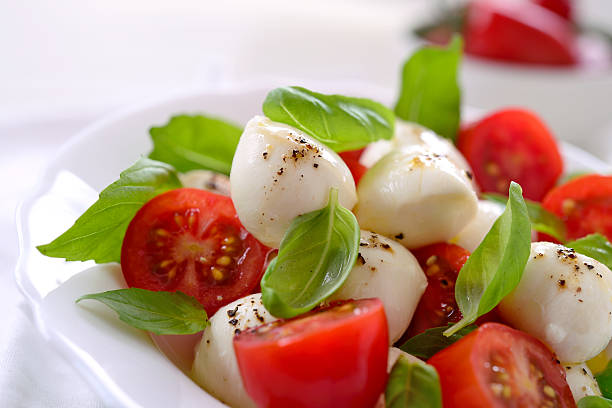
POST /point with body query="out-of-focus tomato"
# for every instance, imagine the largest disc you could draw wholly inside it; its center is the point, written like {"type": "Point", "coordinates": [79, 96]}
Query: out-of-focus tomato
{"type": "Point", "coordinates": [563, 8]}
{"type": "Point", "coordinates": [351, 158]}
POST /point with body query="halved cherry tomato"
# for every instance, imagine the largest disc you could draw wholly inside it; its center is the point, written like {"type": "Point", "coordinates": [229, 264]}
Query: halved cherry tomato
{"type": "Point", "coordinates": [331, 358]}
{"type": "Point", "coordinates": [584, 204]}
{"type": "Point", "coordinates": [512, 145]}
{"type": "Point", "coordinates": [497, 366]}
{"type": "Point", "coordinates": [518, 31]}
{"type": "Point", "coordinates": [437, 307]}
{"type": "Point", "coordinates": [351, 158]}
{"type": "Point", "coordinates": [191, 240]}
{"type": "Point", "coordinates": [563, 8]}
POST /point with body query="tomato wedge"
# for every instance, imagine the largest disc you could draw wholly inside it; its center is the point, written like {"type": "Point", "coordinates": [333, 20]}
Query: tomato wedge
{"type": "Point", "coordinates": [331, 358]}
{"type": "Point", "coordinates": [584, 204]}
{"type": "Point", "coordinates": [497, 366]}
{"type": "Point", "coordinates": [512, 145]}
{"type": "Point", "coordinates": [518, 31]}
{"type": "Point", "coordinates": [351, 158]}
{"type": "Point", "coordinates": [191, 240]}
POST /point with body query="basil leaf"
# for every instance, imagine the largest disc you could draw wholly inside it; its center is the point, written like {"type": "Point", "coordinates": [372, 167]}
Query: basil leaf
{"type": "Point", "coordinates": [156, 312]}
{"type": "Point", "coordinates": [595, 246]}
{"type": "Point", "coordinates": [592, 401]}
{"type": "Point", "coordinates": [429, 93]}
{"type": "Point", "coordinates": [604, 380]}
{"type": "Point", "coordinates": [426, 344]}
{"type": "Point", "coordinates": [196, 142]}
{"type": "Point", "coordinates": [541, 220]}
{"type": "Point", "coordinates": [413, 384]}
{"type": "Point", "coordinates": [341, 122]}
{"type": "Point", "coordinates": [98, 233]}
{"type": "Point", "coordinates": [497, 265]}
{"type": "Point", "coordinates": [315, 257]}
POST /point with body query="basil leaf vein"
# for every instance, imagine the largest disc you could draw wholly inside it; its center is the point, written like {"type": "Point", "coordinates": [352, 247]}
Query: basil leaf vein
{"type": "Point", "coordinates": [156, 312]}
{"type": "Point", "coordinates": [429, 93]}
{"type": "Point", "coordinates": [341, 122]}
{"type": "Point", "coordinates": [297, 280]}
{"type": "Point", "coordinates": [497, 265]}
{"type": "Point", "coordinates": [595, 246]}
{"type": "Point", "coordinates": [592, 401]}
{"type": "Point", "coordinates": [413, 384]}
{"type": "Point", "coordinates": [196, 142]}
{"type": "Point", "coordinates": [426, 344]}
{"type": "Point", "coordinates": [98, 233]}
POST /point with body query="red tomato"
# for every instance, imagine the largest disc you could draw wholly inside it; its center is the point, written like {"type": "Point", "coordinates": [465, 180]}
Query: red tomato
{"type": "Point", "coordinates": [437, 307]}
{"type": "Point", "coordinates": [584, 204]}
{"type": "Point", "coordinates": [563, 8]}
{"type": "Point", "coordinates": [518, 32]}
{"type": "Point", "coordinates": [497, 366]}
{"type": "Point", "coordinates": [351, 158]}
{"type": "Point", "coordinates": [331, 358]}
{"type": "Point", "coordinates": [512, 145]}
{"type": "Point", "coordinates": [191, 240]}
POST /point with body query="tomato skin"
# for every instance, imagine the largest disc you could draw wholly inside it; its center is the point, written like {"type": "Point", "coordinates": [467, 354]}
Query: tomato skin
{"type": "Point", "coordinates": [521, 32]}
{"type": "Point", "coordinates": [563, 8]}
{"type": "Point", "coordinates": [308, 362]}
{"type": "Point", "coordinates": [351, 158]}
{"type": "Point", "coordinates": [496, 360]}
{"type": "Point", "coordinates": [167, 238]}
{"type": "Point", "coordinates": [584, 204]}
{"type": "Point", "coordinates": [512, 145]}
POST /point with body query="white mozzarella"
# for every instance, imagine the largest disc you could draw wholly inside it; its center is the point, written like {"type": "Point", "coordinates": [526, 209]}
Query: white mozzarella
{"type": "Point", "coordinates": [206, 180]}
{"type": "Point", "coordinates": [472, 235]}
{"type": "Point", "coordinates": [215, 367]}
{"type": "Point", "coordinates": [580, 380]}
{"type": "Point", "coordinates": [388, 271]}
{"type": "Point", "coordinates": [278, 173]}
{"type": "Point", "coordinates": [416, 196]}
{"type": "Point", "coordinates": [564, 299]}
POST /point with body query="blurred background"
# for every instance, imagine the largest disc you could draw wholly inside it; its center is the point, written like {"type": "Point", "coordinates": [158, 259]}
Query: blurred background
{"type": "Point", "coordinates": [66, 63]}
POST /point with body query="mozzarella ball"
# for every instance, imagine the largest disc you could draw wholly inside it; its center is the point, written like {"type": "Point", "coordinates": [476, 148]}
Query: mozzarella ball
{"type": "Point", "coordinates": [416, 196]}
{"type": "Point", "coordinates": [206, 180]}
{"type": "Point", "coordinates": [564, 299]}
{"type": "Point", "coordinates": [215, 368]}
{"type": "Point", "coordinates": [580, 380]}
{"type": "Point", "coordinates": [472, 235]}
{"type": "Point", "coordinates": [388, 271]}
{"type": "Point", "coordinates": [279, 173]}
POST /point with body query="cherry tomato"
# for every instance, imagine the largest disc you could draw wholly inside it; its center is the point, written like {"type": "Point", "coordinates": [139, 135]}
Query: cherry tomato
{"type": "Point", "coordinates": [437, 307]}
{"type": "Point", "coordinates": [512, 145]}
{"type": "Point", "coordinates": [351, 158]}
{"type": "Point", "coordinates": [518, 31]}
{"type": "Point", "coordinates": [191, 240]}
{"type": "Point", "coordinates": [584, 204]}
{"type": "Point", "coordinates": [497, 366]}
{"type": "Point", "coordinates": [563, 8]}
{"type": "Point", "coordinates": [331, 358]}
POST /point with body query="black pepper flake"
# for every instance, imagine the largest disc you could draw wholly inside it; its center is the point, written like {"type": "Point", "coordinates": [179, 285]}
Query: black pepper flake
{"type": "Point", "coordinates": [232, 313]}
{"type": "Point", "coordinates": [363, 244]}
{"type": "Point", "coordinates": [577, 267]}
{"type": "Point", "coordinates": [361, 259]}
{"type": "Point", "coordinates": [280, 171]}
{"type": "Point", "coordinates": [265, 155]}
{"type": "Point", "coordinates": [580, 300]}
{"type": "Point", "coordinates": [469, 174]}
{"type": "Point", "coordinates": [233, 322]}
{"type": "Point", "coordinates": [572, 255]}
{"type": "Point", "coordinates": [400, 236]}
{"type": "Point", "coordinates": [207, 341]}
{"type": "Point", "coordinates": [385, 246]}
{"type": "Point", "coordinates": [584, 371]}
{"type": "Point", "coordinates": [315, 165]}
{"type": "Point", "coordinates": [557, 361]}
{"type": "Point", "coordinates": [568, 367]}
{"type": "Point", "coordinates": [589, 266]}
{"type": "Point", "coordinates": [561, 282]}
{"type": "Point", "coordinates": [578, 289]}
{"type": "Point", "coordinates": [237, 331]}
{"type": "Point", "coordinates": [373, 269]}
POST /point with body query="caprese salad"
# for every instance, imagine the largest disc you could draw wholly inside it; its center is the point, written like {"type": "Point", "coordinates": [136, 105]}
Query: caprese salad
{"type": "Point", "coordinates": [336, 253]}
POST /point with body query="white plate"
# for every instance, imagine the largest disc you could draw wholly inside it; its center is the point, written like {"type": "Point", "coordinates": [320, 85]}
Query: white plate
{"type": "Point", "coordinates": [122, 363]}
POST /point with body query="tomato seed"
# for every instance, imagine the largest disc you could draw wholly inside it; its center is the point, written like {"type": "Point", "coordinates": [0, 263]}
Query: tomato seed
{"type": "Point", "coordinates": [568, 206]}
{"type": "Point", "coordinates": [224, 260]}
{"type": "Point", "coordinates": [549, 391]}
{"type": "Point", "coordinates": [165, 263]}
{"type": "Point", "coordinates": [217, 274]}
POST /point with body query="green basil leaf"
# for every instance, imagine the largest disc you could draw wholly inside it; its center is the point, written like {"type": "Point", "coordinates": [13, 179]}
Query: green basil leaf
{"type": "Point", "coordinates": [156, 312]}
{"type": "Point", "coordinates": [98, 233]}
{"type": "Point", "coordinates": [595, 246]}
{"type": "Point", "coordinates": [426, 344]}
{"type": "Point", "coordinates": [429, 93]}
{"type": "Point", "coordinates": [196, 142]}
{"type": "Point", "coordinates": [592, 401]}
{"type": "Point", "coordinates": [315, 257]}
{"type": "Point", "coordinates": [604, 380]}
{"type": "Point", "coordinates": [541, 220]}
{"type": "Point", "coordinates": [413, 384]}
{"type": "Point", "coordinates": [341, 122]}
{"type": "Point", "coordinates": [496, 266]}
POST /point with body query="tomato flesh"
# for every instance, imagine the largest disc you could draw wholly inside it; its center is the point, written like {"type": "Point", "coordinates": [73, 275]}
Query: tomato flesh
{"type": "Point", "coordinates": [497, 366]}
{"type": "Point", "coordinates": [512, 145]}
{"type": "Point", "coordinates": [584, 204]}
{"type": "Point", "coordinates": [563, 8]}
{"type": "Point", "coordinates": [351, 158]}
{"type": "Point", "coordinates": [331, 358]}
{"type": "Point", "coordinates": [521, 32]}
{"type": "Point", "coordinates": [191, 240]}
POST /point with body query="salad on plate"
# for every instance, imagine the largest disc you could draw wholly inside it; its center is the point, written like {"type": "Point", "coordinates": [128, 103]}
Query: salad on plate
{"type": "Point", "coordinates": [335, 253]}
